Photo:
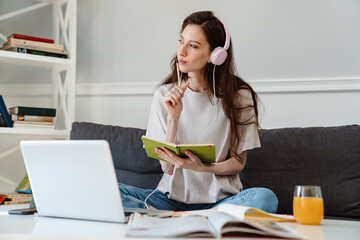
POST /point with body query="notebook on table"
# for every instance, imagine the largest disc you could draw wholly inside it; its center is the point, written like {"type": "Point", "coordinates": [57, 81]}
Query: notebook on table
{"type": "Point", "coordinates": [75, 179]}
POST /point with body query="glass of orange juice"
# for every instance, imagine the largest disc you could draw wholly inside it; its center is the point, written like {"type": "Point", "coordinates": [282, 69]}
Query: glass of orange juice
{"type": "Point", "coordinates": [308, 205]}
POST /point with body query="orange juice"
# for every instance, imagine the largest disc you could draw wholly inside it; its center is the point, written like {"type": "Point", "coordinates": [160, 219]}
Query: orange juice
{"type": "Point", "coordinates": [308, 210]}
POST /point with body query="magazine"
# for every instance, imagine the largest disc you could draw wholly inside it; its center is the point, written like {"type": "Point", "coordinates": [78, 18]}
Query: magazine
{"type": "Point", "coordinates": [242, 212]}
{"type": "Point", "coordinates": [217, 224]}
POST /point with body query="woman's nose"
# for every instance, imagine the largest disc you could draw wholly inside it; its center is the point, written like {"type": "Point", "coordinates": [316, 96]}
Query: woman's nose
{"type": "Point", "coordinates": [181, 50]}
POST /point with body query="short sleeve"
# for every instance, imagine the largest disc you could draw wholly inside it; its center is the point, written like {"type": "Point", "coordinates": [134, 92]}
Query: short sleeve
{"type": "Point", "coordinates": [156, 127]}
{"type": "Point", "coordinates": [248, 129]}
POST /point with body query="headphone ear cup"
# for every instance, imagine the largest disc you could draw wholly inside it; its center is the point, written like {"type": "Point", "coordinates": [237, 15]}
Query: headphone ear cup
{"type": "Point", "coordinates": [218, 56]}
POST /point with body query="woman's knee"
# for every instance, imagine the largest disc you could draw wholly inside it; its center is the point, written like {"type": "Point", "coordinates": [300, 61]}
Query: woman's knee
{"type": "Point", "coordinates": [267, 200]}
{"type": "Point", "coordinates": [124, 188]}
{"type": "Point", "coordinates": [131, 190]}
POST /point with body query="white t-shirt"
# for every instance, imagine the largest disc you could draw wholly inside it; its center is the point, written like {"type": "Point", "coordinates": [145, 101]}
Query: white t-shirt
{"type": "Point", "coordinates": [201, 122]}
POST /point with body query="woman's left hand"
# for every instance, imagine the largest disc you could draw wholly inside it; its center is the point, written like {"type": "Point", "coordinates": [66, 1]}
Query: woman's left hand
{"type": "Point", "coordinates": [192, 162]}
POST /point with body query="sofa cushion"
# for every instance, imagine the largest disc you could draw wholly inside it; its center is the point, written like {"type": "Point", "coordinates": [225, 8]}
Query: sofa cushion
{"type": "Point", "coordinates": [131, 163]}
{"type": "Point", "coordinates": [324, 156]}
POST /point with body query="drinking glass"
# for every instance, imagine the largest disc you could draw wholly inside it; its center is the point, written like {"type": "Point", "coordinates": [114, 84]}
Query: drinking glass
{"type": "Point", "coordinates": [308, 205]}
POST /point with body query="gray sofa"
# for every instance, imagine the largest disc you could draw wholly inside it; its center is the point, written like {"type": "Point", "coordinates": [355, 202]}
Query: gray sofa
{"type": "Point", "coordinates": [325, 156]}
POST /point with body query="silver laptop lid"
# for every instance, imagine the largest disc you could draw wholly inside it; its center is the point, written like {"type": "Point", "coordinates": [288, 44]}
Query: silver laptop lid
{"type": "Point", "coordinates": [73, 179]}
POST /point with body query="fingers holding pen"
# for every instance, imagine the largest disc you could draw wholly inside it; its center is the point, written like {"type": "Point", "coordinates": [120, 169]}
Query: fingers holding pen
{"type": "Point", "coordinates": [184, 87]}
{"type": "Point", "coordinates": [169, 99]}
{"type": "Point", "coordinates": [180, 90]}
{"type": "Point", "coordinates": [176, 94]}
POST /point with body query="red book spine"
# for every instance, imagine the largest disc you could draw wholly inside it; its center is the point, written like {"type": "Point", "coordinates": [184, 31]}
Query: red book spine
{"type": "Point", "coordinates": [2, 198]}
{"type": "Point", "coordinates": [25, 37]}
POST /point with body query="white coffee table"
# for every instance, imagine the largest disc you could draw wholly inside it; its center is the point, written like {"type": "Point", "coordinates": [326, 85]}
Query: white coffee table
{"type": "Point", "coordinates": [31, 227]}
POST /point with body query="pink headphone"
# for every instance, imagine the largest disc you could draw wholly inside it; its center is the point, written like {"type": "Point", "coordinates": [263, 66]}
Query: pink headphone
{"type": "Point", "coordinates": [219, 54]}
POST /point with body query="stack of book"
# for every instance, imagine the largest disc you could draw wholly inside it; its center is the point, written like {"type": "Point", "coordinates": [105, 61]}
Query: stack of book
{"type": "Point", "coordinates": [32, 117]}
{"type": "Point", "coordinates": [15, 198]}
{"type": "Point", "coordinates": [34, 45]}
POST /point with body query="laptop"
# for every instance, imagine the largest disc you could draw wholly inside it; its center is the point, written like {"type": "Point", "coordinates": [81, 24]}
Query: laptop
{"type": "Point", "coordinates": [76, 179]}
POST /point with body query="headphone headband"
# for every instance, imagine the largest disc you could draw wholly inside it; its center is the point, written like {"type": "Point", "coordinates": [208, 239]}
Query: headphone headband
{"type": "Point", "coordinates": [219, 54]}
{"type": "Point", "coordinates": [227, 38]}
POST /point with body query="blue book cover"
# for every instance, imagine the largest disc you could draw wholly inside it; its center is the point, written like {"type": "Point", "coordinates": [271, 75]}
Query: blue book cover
{"type": "Point", "coordinates": [4, 113]}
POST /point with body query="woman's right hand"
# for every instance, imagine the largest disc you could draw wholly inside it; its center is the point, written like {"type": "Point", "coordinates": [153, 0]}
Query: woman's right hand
{"type": "Point", "coordinates": [173, 101]}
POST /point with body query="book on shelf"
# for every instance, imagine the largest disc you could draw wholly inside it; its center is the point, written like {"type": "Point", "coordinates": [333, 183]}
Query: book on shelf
{"type": "Point", "coordinates": [24, 186]}
{"type": "Point", "coordinates": [15, 117]}
{"type": "Point", "coordinates": [36, 52]}
{"type": "Point", "coordinates": [33, 126]}
{"type": "Point", "coordinates": [206, 152]}
{"type": "Point", "coordinates": [33, 111]}
{"type": "Point", "coordinates": [21, 42]}
{"type": "Point", "coordinates": [32, 38]}
{"type": "Point", "coordinates": [33, 122]}
{"type": "Point", "coordinates": [15, 198]}
{"type": "Point", "coordinates": [217, 224]}
{"type": "Point", "coordinates": [4, 113]}
{"type": "Point", "coordinates": [16, 47]}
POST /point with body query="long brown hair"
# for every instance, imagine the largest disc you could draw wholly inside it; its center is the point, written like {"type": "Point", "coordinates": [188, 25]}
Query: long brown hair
{"type": "Point", "coordinates": [227, 83]}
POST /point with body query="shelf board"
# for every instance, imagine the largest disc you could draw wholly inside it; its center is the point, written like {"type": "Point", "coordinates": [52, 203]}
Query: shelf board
{"type": "Point", "coordinates": [53, 1]}
{"type": "Point", "coordinates": [34, 60]}
{"type": "Point", "coordinates": [34, 131]}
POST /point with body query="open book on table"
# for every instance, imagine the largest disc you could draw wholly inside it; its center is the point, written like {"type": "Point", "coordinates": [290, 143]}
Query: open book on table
{"type": "Point", "coordinates": [242, 212]}
{"type": "Point", "coordinates": [217, 224]}
{"type": "Point", "coordinates": [206, 152]}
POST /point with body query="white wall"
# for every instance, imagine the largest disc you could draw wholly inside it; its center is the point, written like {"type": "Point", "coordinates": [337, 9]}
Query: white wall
{"type": "Point", "coordinates": [292, 52]}
{"type": "Point", "coordinates": [271, 38]}
{"type": "Point", "coordinates": [302, 57]}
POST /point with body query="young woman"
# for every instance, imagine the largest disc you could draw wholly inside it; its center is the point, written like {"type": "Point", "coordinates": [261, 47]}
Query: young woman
{"type": "Point", "coordinates": [210, 105]}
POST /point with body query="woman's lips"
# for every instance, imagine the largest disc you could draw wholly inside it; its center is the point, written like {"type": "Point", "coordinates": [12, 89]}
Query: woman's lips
{"type": "Point", "coordinates": [182, 62]}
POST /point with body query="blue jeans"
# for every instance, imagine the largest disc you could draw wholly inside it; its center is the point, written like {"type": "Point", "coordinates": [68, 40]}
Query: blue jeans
{"type": "Point", "coordinates": [134, 197]}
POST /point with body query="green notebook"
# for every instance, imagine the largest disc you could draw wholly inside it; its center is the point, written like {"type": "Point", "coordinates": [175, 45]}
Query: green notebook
{"type": "Point", "coordinates": [206, 152]}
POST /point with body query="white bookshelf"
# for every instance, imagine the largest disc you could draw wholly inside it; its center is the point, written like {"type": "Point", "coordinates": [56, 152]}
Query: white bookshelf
{"type": "Point", "coordinates": [63, 71]}
{"type": "Point", "coordinates": [35, 131]}
{"type": "Point", "coordinates": [62, 77]}
{"type": "Point", "coordinates": [34, 60]}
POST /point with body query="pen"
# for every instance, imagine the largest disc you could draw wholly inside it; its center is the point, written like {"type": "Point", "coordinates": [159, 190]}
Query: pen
{"type": "Point", "coordinates": [178, 72]}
